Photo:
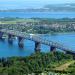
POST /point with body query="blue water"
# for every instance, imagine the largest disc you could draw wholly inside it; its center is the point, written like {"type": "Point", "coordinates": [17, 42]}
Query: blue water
{"type": "Point", "coordinates": [6, 50]}
{"type": "Point", "coordinates": [38, 14]}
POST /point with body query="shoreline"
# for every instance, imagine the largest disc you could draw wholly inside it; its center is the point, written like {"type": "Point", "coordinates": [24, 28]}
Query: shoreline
{"type": "Point", "coordinates": [57, 33]}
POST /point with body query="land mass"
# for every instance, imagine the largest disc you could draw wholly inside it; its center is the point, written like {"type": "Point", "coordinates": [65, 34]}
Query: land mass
{"type": "Point", "coordinates": [39, 25]}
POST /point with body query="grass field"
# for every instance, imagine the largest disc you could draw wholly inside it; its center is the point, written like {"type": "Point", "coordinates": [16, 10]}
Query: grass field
{"type": "Point", "coordinates": [16, 20]}
{"type": "Point", "coordinates": [65, 66]}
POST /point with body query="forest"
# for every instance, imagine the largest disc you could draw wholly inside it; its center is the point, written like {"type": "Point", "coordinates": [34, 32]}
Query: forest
{"type": "Point", "coordinates": [37, 63]}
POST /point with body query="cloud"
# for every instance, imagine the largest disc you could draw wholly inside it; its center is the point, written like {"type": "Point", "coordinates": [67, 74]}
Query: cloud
{"type": "Point", "coordinates": [29, 3]}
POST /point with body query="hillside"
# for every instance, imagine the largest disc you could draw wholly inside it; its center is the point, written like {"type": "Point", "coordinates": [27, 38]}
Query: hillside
{"type": "Point", "coordinates": [61, 7]}
{"type": "Point", "coordinates": [36, 63]}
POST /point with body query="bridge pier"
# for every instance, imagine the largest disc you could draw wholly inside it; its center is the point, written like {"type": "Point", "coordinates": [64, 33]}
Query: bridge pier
{"type": "Point", "coordinates": [10, 38]}
{"type": "Point", "coordinates": [20, 42]}
{"type": "Point", "coordinates": [37, 46]}
{"type": "Point", "coordinates": [52, 48]}
{"type": "Point", "coordinates": [1, 34]}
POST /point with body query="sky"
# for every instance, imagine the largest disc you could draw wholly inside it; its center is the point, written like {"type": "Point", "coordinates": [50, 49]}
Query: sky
{"type": "Point", "coordinates": [16, 4]}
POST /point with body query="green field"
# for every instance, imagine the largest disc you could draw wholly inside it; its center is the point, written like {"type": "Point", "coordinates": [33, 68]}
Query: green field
{"type": "Point", "coordinates": [15, 20]}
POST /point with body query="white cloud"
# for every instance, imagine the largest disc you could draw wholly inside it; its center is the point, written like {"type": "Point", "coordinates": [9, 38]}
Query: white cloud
{"type": "Point", "coordinates": [29, 3]}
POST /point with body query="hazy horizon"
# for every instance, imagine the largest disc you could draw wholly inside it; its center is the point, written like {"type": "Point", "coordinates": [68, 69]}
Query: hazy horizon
{"type": "Point", "coordinates": [19, 4]}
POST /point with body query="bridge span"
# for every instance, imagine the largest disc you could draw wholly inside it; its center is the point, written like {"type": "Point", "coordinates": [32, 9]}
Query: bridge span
{"type": "Point", "coordinates": [38, 41]}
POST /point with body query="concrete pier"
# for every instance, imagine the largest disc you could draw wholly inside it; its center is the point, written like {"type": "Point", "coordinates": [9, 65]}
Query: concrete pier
{"type": "Point", "coordinates": [37, 47]}
{"type": "Point", "coordinates": [20, 42]}
{"type": "Point", "coordinates": [10, 39]}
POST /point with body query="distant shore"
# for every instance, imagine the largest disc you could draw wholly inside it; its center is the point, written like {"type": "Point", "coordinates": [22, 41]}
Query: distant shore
{"type": "Point", "coordinates": [57, 33]}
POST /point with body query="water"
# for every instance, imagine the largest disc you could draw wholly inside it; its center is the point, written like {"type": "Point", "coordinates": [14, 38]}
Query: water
{"type": "Point", "coordinates": [6, 50]}
{"type": "Point", "coordinates": [38, 14]}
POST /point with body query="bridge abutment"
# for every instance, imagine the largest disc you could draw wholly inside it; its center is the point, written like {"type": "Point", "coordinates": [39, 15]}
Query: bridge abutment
{"type": "Point", "coordinates": [10, 39]}
{"type": "Point", "coordinates": [37, 47]}
{"type": "Point", "coordinates": [20, 42]}
{"type": "Point", "coordinates": [52, 48]}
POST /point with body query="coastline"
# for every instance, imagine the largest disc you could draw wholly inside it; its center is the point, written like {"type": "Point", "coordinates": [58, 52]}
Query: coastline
{"type": "Point", "coordinates": [57, 33]}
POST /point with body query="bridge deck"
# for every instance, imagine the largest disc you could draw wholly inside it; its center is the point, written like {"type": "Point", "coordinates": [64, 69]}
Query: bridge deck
{"type": "Point", "coordinates": [37, 39]}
